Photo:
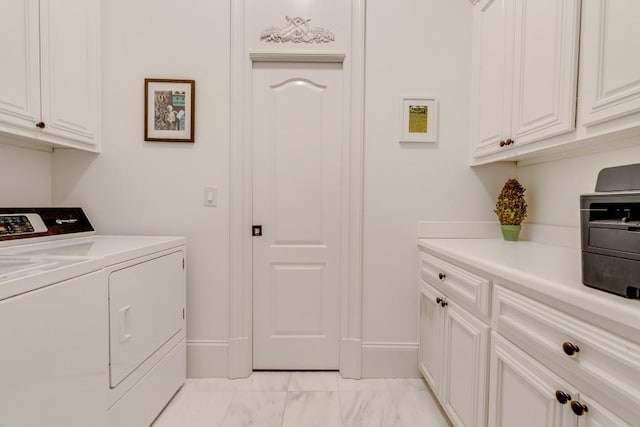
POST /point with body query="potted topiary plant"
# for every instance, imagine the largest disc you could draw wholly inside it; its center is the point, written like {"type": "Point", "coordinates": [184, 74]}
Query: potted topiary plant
{"type": "Point", "coordinates": [511, 209]}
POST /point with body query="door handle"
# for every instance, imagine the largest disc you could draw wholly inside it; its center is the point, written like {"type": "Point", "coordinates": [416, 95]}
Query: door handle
{"type": "Point", "coordinates": [125, 335]}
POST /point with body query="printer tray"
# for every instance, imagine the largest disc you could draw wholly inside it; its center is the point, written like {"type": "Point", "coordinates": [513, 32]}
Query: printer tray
{"type": "Point", "coordinates": [612, 274]}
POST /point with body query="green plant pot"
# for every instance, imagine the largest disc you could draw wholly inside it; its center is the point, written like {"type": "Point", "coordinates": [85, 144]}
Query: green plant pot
{"type": "Point", "coordinates": [511, 233]}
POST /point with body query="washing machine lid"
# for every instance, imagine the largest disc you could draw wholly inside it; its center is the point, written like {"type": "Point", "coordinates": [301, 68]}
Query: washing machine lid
{"type": "Point", "coordinates": [12, 267]}
{"type": "Point", "coordinates": [112, 249]}
{"type": "Point", "coordinates": [20, 274]}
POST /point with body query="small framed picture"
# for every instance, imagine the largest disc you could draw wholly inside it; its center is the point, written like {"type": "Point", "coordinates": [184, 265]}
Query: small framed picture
{"type": "Point", "coordinates": [419, 119]}
{"type": "Point", "coordinates": [169, 110]}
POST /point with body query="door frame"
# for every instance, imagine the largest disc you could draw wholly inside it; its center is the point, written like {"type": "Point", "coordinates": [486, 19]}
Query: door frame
{"type": "Point", "coordinates": [240, 352]}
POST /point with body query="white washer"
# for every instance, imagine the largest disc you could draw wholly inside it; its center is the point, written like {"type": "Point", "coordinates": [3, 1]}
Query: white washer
{"type": "Point", "coordinates": [133, 324]}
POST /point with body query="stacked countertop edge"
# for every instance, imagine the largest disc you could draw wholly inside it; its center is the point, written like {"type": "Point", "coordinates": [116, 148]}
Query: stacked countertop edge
{"type": "Point", "coordinates": [549, 273]}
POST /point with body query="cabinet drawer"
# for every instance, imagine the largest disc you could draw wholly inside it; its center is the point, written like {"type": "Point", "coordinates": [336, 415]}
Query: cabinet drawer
{"type": "Point", "coordinates": [467, 289]}
{"type": "Point", "coordinates": [603, 362]}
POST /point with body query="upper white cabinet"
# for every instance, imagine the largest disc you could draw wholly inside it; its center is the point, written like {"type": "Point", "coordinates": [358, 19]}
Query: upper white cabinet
{"type": "Point", "coordinates": [524, 72]}
{"type": "Point", "coordinates": [545, 66]}
{"type": "Point", "coordinates": [49, 91]}
{"type": "Point", "coordinates": [610, 60]}
{"type": "Point", "coordinates": [491, 100]}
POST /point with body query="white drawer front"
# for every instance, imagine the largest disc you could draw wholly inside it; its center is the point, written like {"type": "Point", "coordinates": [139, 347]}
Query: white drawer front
{"type": "Point", "coordinates": [604, 361]}
{"type": "Point", "coordinates": [467, 289]}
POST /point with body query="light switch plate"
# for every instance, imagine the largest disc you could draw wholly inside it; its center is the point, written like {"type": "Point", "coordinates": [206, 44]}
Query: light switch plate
{"type": "Point", "coordinates": [210, 196]}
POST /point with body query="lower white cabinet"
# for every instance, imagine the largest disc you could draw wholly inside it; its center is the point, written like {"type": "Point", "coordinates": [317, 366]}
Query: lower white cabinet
{"type": "Point", "coordinates": [525, 393]}
{"type": "Point", "coordinates": [534, 362]}
{"type": "Point", "coordinates": [453, 357]}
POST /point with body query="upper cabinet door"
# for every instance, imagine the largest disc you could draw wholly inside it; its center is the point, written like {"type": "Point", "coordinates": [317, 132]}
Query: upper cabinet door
{"type": "Point", "coordinates": [20, 69]}
{"type": "Point", "coordinates": [610, 60]}
{"type": "Point", "coordinates": [545, 66]}
{"type": "Point", "coordinates": [69, 69]}
{"type": "Point", "coordinates": [492, 72]}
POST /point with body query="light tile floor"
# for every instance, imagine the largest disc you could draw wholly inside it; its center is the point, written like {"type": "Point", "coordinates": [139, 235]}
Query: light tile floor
{"type": "Point", "coordinates": [302, 399]}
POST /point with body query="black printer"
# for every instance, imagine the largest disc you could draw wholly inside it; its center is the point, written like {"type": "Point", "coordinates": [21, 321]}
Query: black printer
{"type": "Point", "coordinates": [610, 232]}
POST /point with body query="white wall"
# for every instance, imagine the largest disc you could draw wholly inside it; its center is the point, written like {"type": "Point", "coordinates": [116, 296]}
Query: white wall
{"type": "Point", "coordinates": [135, 187]}
{"type": "Point", "coordinates": [25, 179]}
{"type": "Point", "coordinates": [414, 47]}
{"type": "Point", "coordinates": [554, 188]}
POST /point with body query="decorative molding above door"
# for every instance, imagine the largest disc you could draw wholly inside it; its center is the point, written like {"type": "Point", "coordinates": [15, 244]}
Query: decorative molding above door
{"type": "Point", "coordinates": [297, 30]}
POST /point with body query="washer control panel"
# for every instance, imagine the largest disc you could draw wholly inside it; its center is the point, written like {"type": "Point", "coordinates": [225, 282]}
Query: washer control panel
{"type": "Point", "coordinates": [15, 224]}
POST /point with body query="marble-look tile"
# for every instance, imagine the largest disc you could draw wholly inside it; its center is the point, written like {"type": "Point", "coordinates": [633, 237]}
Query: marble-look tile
{"type": "Point", "coordinates": [312, 409]}
{"type": "Point", "coordinates": [313, 381]}
{"type": "Point", "coordinates": [209, 384]}
{"type": "Point", "coordinates": [263, 409]}
{"type": "Point", "coordinates": [195, 409]}
{"type": "Point", "coordinates": [368, 409]}
{"type": "Point", "coordinates": [263, 381]}
{"type": "Point", "coordinates": [417, 408]}
{"type": "Point", "coordinates": [407, 384]}
{"type": "Point", "coordinates": [362, 385]}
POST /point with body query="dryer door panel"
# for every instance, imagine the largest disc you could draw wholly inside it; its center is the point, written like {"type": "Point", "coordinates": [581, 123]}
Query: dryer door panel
{"type": "Point", "coordinates": [146, 304]}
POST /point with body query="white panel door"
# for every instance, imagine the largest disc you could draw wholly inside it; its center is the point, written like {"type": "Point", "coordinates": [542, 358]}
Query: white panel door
{"type": "Point", "coordinates": [545, 68]}
{"type": "Point", "coordinates": [523, 392]}
{"type": "Point", "coordinates": [20, 69]}
{"type": "Point", "coordinates": [609, 60]}
{"type": "Point", "coordinates": [297, 144]}
{"type": "Point", "coordinates": [69, 62]}
{"type": "Point", "coordinates": [465, 367]}
{"type": "Point", "coordinates": [492, 73]}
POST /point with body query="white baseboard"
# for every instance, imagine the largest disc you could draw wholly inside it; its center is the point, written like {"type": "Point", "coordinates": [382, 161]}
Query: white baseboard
{"type": "Point", "coordinates": [390, 360]}
{"type": "Point", "coordinates": [240, 358]}
{"type": "Point", "coordinates": [207, 359]}
{"type": "Point", "coordinates": [458, 230]}
{"type": "Point", "coordinates": [351, 358]}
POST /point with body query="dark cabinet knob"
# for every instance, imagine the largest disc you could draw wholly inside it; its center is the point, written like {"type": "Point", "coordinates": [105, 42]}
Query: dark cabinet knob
{"type": "Point", "coordinates": [441, 276]}
{"type": "Point", "coordinates": [444, 303]}
{"type": "Point", "coordinates": [578, 408]}
{"type": "Point", "coordinates": [438, 300]}
{"type": "Point", "coordinates": [40, 125]}
{"type": "Point", "coordinates": [509, 141]}
{"type": "Point", "coordinates": [502, 143]}
{"type": "Point", "coordinates": [562, 397]}
{"type": "Point", "coordinates": [570, 348]}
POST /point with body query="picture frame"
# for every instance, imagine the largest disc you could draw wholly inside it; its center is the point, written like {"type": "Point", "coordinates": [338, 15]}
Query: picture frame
{"type": "Point", "coordinates": [418, 119]}
{"type": "Point", "coordinates": [169, 110]}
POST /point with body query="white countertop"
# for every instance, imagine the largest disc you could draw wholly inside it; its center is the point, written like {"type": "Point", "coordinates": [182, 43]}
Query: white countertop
{"type": "Point", "coordinates": [539, 270]}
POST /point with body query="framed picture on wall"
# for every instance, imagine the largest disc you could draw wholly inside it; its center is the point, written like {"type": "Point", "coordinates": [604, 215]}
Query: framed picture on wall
{"type": "Point", "coordinates": [419, 119]}
{"type": "Point", "coordinates": [169, 110]}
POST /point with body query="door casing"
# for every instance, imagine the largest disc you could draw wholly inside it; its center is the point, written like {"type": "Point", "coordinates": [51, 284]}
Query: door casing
{"type": "Point", "coordinates": [241, 192]}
